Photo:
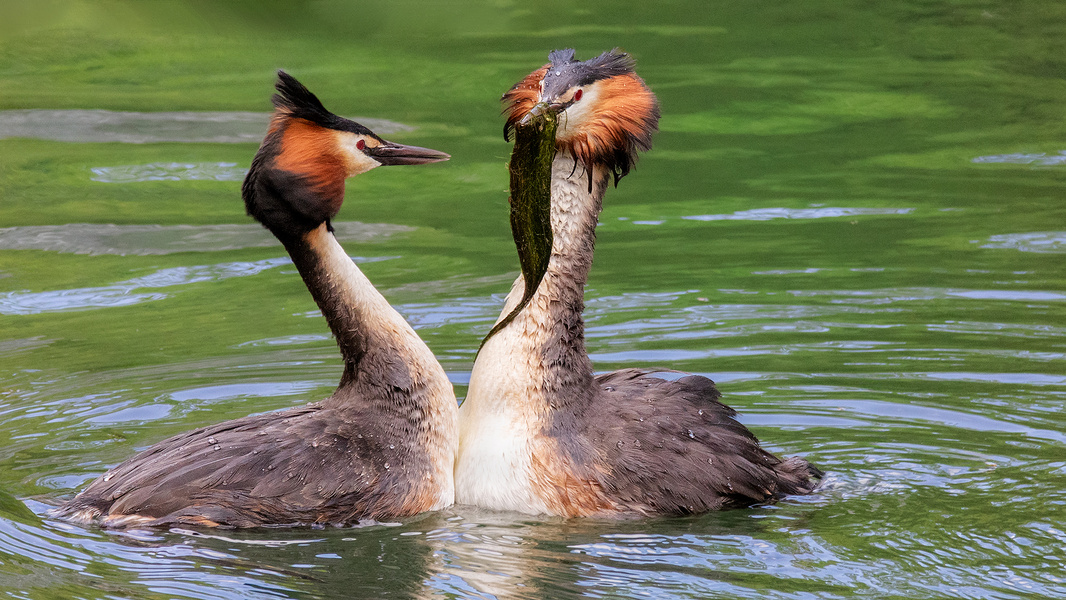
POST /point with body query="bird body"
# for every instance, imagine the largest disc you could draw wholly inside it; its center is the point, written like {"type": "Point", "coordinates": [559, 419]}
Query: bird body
{"type": "Point", "coordinates": [381, 446]}
{"type": "Point", "coordinates": [539, 433]}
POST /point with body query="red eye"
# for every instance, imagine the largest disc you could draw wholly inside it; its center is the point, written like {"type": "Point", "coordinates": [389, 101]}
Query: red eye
{"type": "Point", "coordinates": [577, 95]}
{"type": "Point", "coordinates": [360, 144]}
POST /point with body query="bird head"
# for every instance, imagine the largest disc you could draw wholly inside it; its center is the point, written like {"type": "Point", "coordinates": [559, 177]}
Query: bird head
{"type": "Point", "coordinates": [296, 181]}
{"type": "Point", "coordinates": [605, 111]}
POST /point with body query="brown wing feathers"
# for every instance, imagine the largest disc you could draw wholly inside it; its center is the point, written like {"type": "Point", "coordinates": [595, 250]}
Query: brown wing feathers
{"type": "Point", "coordinates": [677, 450]}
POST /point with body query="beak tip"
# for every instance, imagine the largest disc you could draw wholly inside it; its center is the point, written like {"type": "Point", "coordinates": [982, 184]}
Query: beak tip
{"type": "Point", "coordinates": [540, 112]}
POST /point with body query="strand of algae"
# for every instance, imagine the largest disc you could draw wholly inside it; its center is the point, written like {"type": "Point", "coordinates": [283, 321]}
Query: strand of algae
{"type": "Point", "coordinates": [531, 170]}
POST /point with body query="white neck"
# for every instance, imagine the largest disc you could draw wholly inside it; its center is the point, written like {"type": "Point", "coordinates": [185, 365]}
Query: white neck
{"type": "Point", "coordinates": [382, 353]}
{"type": "Point", "coordinates": [536, 364]}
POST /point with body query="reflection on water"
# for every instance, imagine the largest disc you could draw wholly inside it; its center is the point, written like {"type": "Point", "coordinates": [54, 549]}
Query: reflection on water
{"type": "Point", "coordinates": [471, 554]}
{"type": "Point", "coordinates": [935, 445]}
{"type": "Point", "coordinates": [894, 443]}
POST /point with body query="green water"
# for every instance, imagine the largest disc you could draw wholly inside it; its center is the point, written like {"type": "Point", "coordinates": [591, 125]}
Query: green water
{"type": "Point", "coordinates": [852, 220]}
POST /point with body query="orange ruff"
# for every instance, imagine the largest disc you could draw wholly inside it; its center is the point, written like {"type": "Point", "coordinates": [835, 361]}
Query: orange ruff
{"type": "Point", "coordinates": [565, 492]}
{"type": "Point", "coordinates": [310, 150]}
{"type": "Point", "coordinates": [625, 118]}
{"type": "Point", "coordinates": [521, 98]}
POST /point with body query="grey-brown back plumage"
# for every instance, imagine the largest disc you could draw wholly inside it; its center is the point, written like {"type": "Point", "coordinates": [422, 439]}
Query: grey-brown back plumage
{"type": "Point", "coordinates": [674, 448]}
{"type": "Point", "coordinates": [269, 468]}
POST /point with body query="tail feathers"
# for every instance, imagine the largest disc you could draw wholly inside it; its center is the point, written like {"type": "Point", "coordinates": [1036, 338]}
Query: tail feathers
{"type": "Point", "coordinates": [86, 513]}
{"type": "Point", "coordinates": [797, 476]}
{"type": "Point", "coordinates": [79, 512]}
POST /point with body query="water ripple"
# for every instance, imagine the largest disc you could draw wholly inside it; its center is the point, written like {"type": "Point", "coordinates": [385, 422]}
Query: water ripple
{"type": "Point", "coordinates": [1039, 159]}
{"type": "Point", "coordinates": [205, 395]}
{"type": "Point", "coordinates": [1046, 242]}
{"type": "Point", "coordinates": [768, 214]}
{"type": "Point", "coordinates": [14, 346]}
{"type": "Point", "coordinates": [146, 240]}
{"type": "Point", "coordinates": [124, 293]}
{"type": "Point", "coordinates": [1006, 330]}
{"type": "Point", "coordinates": [423, 315]}
{"type": "Point", "coordinates": [150, 127]}
{"type": "Point", "coordinates": [676, 355]}
{"type": "Point", "coordinates": [892, 295]}
{"type": "Point", "coordinates": [169, 172]}
{"type": "Point", "coordinates": [881, 412]}
{"type": "Point", "coordinates": [288, 340]}
{"type": "Point", "coordinates": [18, 303]}
{"type": "Point", "coordinates": [134, 562]}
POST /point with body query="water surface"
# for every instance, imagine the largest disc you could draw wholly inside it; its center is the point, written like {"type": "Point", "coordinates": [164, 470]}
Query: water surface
{"type": "Point", "coordinates": [852, 220]}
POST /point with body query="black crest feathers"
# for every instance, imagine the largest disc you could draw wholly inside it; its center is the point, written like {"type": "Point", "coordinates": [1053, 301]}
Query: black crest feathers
{"type": "Point", "coordinates": [293, 99]}
{"type": "Point", "coordinates": [567, 71]}
{"type": "Point", "coordinates": [298, 101]}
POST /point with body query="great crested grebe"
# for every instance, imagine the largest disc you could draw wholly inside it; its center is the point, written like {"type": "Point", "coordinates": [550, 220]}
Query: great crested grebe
{"type": "Point", "coordinates": [538, 432]}
{"type": "Point", "coordinates": [381, 446]}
